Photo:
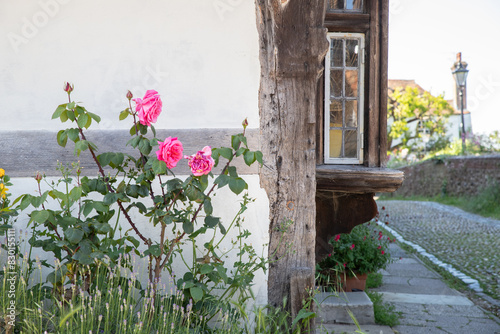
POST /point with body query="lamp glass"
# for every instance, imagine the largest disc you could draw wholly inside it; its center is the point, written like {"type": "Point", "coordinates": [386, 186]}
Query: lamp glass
{"type": "Point", "coordinates": [460, 75]}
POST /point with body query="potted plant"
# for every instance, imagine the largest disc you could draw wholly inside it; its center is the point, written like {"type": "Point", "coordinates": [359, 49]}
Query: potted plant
{"type": "Point", "coordinates": [353, 256]}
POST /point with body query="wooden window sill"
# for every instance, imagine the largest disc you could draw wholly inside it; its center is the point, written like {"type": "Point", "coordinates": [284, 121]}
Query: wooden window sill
{"type": "Point", "coordinates": [357, 179]}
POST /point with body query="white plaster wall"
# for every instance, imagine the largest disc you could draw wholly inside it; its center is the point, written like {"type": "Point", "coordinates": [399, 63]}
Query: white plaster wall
{"type": "Point", "coordinates": [200, 55]}
{"type": "Point", "coordinates": [225, 205]}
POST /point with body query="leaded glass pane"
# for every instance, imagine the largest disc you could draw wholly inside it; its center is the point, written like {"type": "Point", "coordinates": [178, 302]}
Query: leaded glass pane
{"type": "Point", "coordinates": [336, 4]}
{"type": "Point", "coordinates": [335, 143]}
{"type": "Point", "coordinates": [351, 113]}
{"type": "Point", "coordinates": [336, 113]}
{"type": "Point", "coordinates": [337, 53]}
{"type": "Point", "coordinates": [351, 53]}
{"type": "Point", "coordinates": [336, 82]}
{"type": "Point", "coordinates": [351, 83]}
{"type": "Point", "coordinates": [350, 143]}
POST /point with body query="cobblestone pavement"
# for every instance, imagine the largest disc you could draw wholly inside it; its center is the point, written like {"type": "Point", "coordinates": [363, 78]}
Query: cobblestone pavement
{"type": "Point", "coordinates": [468, 242]}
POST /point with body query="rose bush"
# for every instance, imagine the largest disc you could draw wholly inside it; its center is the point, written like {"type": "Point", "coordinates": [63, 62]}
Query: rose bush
{"type": "Point", "coordinates": [84, 231]}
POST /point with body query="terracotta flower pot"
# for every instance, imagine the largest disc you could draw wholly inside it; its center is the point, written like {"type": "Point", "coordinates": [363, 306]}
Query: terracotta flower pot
{"type": "Point", "coordinates": [357, 283]}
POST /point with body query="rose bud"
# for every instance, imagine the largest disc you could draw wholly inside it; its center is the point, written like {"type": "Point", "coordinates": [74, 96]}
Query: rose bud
{"type": "Point", "coordinates": [245, 123]}
{"type": "Point", "coordinates": [129, 95]}
{"type": "Point", "coordinates": [68, 88]}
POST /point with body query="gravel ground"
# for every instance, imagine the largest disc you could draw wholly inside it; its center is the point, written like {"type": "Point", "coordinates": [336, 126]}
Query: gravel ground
{"type": "Point", "coordinates": [468, 242]}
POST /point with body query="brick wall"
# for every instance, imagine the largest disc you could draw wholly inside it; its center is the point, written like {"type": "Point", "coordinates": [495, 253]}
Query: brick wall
{"type": "Point", "coordinates": [453, 176]}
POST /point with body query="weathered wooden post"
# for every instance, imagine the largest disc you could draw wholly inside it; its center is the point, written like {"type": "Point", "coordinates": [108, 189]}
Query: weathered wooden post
{"type": "Point", "coordinates": [323, 125]}
{"type": "Point", "coordinates": [292, 48]}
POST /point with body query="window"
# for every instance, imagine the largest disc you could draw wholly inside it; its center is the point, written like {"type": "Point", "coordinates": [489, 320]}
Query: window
{"type": "Point", "coordinates": [344, 99]}
{"type": "Point", "coordinates": [341, 5]}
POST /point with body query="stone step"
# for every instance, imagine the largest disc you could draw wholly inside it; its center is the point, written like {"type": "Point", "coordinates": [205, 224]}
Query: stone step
{"type": "Point", "coordinates": [333, 308]}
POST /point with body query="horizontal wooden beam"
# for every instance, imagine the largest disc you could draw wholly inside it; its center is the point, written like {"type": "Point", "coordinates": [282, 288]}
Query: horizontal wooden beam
{"type": "Point", "coordinates": [22, 153]}
{"type": "Point", "coordinates": [357, 179]}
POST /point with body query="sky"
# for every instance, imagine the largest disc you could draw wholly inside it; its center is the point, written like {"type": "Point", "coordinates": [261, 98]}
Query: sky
{"type": "Point", "coordinates": [426, 35]}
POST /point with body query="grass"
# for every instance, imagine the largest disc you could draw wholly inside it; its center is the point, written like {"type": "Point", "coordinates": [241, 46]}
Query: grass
{"type": "Point", "coordinates": [117, 303]}
{"type": "Point", "coordinates": [486, 203]}
{"type": "Point", "coordinates": [374, 280]}
{"type": "Point", "coordinates": [384, 313]}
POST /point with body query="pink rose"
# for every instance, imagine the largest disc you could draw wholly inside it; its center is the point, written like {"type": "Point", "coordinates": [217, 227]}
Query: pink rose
{"type": "Point", "coordinates": [149, 107]}
{"type": "Point", "coordinates": [170, 151]}
{"type": "Point", "coordinates": [202, 162]}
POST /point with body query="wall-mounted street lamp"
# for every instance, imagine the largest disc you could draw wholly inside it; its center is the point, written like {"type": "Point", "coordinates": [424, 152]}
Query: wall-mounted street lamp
{"type": "Point", "coordinates": [460, 75]}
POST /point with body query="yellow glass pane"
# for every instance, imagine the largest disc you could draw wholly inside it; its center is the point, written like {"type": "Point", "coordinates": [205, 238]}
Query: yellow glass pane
{"type": "Point", "coordinates": [335, 143]}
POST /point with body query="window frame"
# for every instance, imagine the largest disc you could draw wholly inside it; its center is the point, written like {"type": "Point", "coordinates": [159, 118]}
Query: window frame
{"type": "Point", "coordinates": [361, 101]}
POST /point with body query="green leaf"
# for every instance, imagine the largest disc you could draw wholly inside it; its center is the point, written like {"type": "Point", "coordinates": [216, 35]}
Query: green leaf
{"type": "Point", "coordinates": [133, 130]}
{"type": "Point", "coordinates": [143, 129]}
{"type": "Point", "coordinates": [71, 105]}
{"type": "Point", "coordinates": [226, 152]}
{"type": "Point", "coordinates": [124, 114]}
{"type": "Point", "coordinates": [74, 235]}
{"type": "Point", "coordinates": [62, 138]}
{"type": "Point", "coordinates": [237, 185]}
{"type": "Point", "coordinates": [81, 145]}
{"type": "Point", "coordinates": [203, 182]}
{"type": "Point", "coordinates": [71, 115]}
{"type": "Point", "coordinates": [40, 216]}
{"type": "Point", "coordinates": [258, 157]}
{"type": "Point", "coordinates": [222, 180]}
{"type": "Point", "coordinates": [87, 208]}
{"type": "Point", "coordinates": [74, 134]}
{"type": "Point", "coordinates": [222, 228]}
{"type": "Point", "coordinates": [240, 151]}
{"type": "Point", "coordinates": [155, 250]}
{"type": "Point", "coordinates": [302, 315]}
{"type": "Point", "coordinates": [117, 159]}
{"type": "Point", "coordinates": [249, 157]}
{"type": "Point", "coordinates": [232, 171]}
{"type": "Point", "coordinates": [206, 269]}
{"type": "Point", "coordinates": [235, 142]}
{"type": "Point", "coordinates": [95, 117]}
{"type": "Point", "coordinates": [211, 221]}
{"type": "Point", "coordinates": [196, 293]}
{"type": "Point", "coordinates": [144, 146]}
{"type": "Point", "coordinates": [59, 110]}
{"type": "Point", "coordinates": [134, 241]}
{"type": "Point", "coordinates": [110, 198]}
{"type": "Point", "coordinates": [159, 167]}
{"type": "Point", "coordinates": [82, 120]}
{"type": "Point", "coordinates": [188, 227]}
{"type": "Point", "coordinates": [207, 206]}
{"type": "Point", "coordinates": [194, 194]}
{"type": "Point", "coordinates": [75, 194]}
{"type": "Point", "coordinates": [222, 272]}
{"type": "Point", "coordinates": [105, 158]}
{"type": "Point", "coordinates": [25, 202]}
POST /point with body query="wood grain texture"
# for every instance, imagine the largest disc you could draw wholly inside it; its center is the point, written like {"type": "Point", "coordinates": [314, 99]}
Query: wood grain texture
{"type": "Point", "coordinates": [384, 56]}
{"type": "Point", "coordinates": [358, 179]}
{"type": "Point", "coordinates": [293, 45]}
{"type": "Point", "coordinates": [22, 153]}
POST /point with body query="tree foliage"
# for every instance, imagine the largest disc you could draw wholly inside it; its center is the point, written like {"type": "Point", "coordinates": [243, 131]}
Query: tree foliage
{"type": "Point", "coordinates": [412, 114]}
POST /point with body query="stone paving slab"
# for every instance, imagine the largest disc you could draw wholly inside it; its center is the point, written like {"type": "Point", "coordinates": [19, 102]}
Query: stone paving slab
{"type": "Point", "coordinates": [462, 242]}
{"type": "Point", "coordinates": [351, 329]}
